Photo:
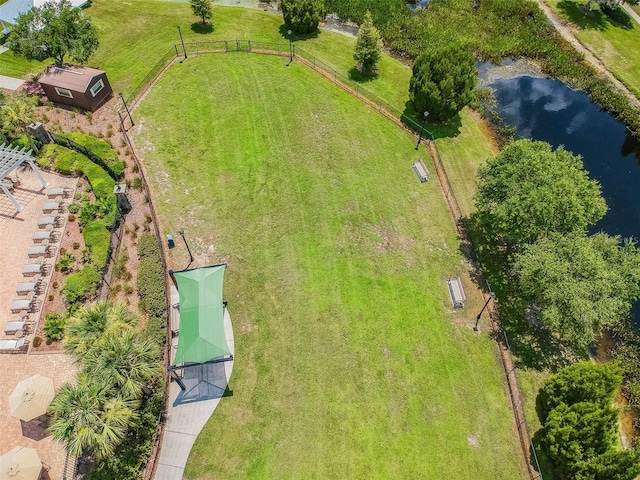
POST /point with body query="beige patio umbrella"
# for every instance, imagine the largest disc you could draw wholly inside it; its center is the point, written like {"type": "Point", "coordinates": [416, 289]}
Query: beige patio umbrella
{"type": "Point", "coordinates": [20, 464]}
{"type": "Point", "coordinates": [31, 397]}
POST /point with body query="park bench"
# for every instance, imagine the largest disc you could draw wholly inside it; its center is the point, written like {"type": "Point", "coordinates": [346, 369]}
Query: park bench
{"type": "Point", "coordinates": [421, 171]}
{"type": "Point", "coordinates": [456, 292]}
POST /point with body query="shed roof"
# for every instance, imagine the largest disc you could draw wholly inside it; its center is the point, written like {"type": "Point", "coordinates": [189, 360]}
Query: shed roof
{"type": "Point", "coordinates": [72, 77]}
{"type": "Point", "coordinates": [10, 11]}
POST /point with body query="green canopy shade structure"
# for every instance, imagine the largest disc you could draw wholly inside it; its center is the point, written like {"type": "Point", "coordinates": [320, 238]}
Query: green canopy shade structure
{"type": "Point", "coordinates": [202, 337]}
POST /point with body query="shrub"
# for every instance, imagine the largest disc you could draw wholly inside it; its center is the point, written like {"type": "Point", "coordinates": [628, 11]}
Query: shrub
{"type": "Point", "coordinates": [63, 159]}
{"type": "Point", "coordinates": [81, 284]}
{"type": "Point", "coordinates": [54, 326]}
{"type": "Point", "coordinates": [368, 48]}
{"type": "Point", "coordinates": [74, 207]}
{"type": "Point", "coordinates": [65, 262]}
{"type": "Point", "coordinates": [37, 341]}
{"type": "Point", "coordinates": [151, 285]}
{"type": "Point", "coordinates": [75, 246]}
{"type": "Point", "coordinates": [99, 151]}
{"type": "Point", "coordinates": [137, 183]}
{"type": "Point", "coordinates": [443, 81]}
{"type": "Point", "coordinates": [97, 238]}
{"type": "Point", "coordinates": [71, 217]}
{"type": "Point", "coordinates": [302, 16]}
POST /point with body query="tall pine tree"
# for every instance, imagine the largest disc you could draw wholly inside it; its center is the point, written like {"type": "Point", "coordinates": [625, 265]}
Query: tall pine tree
{"type": "Point", "coordinates": [368, 47]}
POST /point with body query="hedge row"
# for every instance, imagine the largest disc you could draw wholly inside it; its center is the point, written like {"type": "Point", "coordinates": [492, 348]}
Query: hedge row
{"type": "Point", "coordinates": [99, 151]}
{"type": "Point", "coordinates": [151, 285]}
{"type": "Point", "coordinates": [96, 233]}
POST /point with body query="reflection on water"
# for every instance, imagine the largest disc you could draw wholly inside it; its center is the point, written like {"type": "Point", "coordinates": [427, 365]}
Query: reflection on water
{"type": "Point", "coordinates": [543, 109]}
{"type": "Point", "coordinates": [416, 4]}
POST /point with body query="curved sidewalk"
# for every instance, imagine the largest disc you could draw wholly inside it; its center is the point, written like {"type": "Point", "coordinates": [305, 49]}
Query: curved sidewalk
{"type": "Point", "coordinates": [190, 410]}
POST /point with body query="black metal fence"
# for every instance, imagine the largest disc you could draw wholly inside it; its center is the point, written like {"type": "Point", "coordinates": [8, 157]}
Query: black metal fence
{"type": "Point", "coordinates": [272, 48]}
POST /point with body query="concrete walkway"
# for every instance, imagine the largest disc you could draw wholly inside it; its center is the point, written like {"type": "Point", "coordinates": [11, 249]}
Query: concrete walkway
{"type": "Point", "coordinates": [632, 13]}
{"type": "Point", "coordinates": [10, 83]}
{"type": "Point", "coordinates": [190, 410]}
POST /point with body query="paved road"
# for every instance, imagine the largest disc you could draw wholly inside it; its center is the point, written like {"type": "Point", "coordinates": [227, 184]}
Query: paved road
{"type": "Point", "coordinates": [10, 83]}
{"type": "Point", "coordinates": [632, 13]}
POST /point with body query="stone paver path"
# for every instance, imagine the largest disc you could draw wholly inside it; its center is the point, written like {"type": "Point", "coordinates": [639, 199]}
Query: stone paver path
{"type": "Point", "coordinates": [33, 434]}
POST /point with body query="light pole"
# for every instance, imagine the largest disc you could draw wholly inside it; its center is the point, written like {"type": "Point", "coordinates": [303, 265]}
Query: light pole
{"type": "Point", "coordinates": [424, 121]}
{"type": "Point", "coordinates": [126, 108]}
{"type": "Point", "coordinates": [181, 233]}
{"type": "Point", "coordinates": [182, 41]}
{"type": "Point", "coordinates": [492, 296]}
{"type": "Point", "coordinates": [289, 32]}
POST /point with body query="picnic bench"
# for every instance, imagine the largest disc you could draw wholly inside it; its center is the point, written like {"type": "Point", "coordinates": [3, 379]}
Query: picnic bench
{"type": "Point", "coordinates": [421, 171]}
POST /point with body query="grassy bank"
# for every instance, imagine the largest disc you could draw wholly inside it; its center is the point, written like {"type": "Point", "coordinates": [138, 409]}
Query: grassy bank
{"type": "Point", "coordinates": [349, 361]}
{"type": "Point", "coordinates": [616, 44]}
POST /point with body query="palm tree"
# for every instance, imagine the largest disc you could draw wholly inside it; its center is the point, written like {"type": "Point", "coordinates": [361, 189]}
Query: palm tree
{"type": "Point", "coordinates": [92, 321]}
{"type": "Point", "coordinates": [17, 115]}
{"type": "Point", "coordinates": [86, 416]}
{"type": "Point", "coordinates": [126, 360]}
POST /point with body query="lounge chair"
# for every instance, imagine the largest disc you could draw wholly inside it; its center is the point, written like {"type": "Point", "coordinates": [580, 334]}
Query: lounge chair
{"type": "Point", "coordinates": [13, 327]}
{"type": "Point", "coordinates": [12, 345]}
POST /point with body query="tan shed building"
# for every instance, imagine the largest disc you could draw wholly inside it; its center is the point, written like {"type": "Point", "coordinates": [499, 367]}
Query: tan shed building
{"type": "Point", "coordinates": [82, 87]}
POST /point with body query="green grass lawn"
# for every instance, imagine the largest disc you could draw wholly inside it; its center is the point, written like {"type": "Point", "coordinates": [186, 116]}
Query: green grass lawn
{"type": "Point", "coordinates": [617, 46]}
{"type": "Point", "coordinates": [349, 361]}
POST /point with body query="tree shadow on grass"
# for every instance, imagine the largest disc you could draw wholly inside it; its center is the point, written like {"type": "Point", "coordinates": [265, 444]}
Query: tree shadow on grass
{"type": "Point", "coordinates": [447, 129]}
{"type": "Point", "coordinates": [283, 29]}
{"type": "Point", "coordinates": [357, 76]}
{"type": "Point", "coordinates": [532, 344]}
{"type": "Point", "coordinates": [595, 19]}
{"type": "Point", "coordinates": [200, 28]}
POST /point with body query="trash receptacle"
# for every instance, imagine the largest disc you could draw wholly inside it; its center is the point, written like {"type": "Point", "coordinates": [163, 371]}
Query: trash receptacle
{"type": "Point", "coordinates": [170, 241]}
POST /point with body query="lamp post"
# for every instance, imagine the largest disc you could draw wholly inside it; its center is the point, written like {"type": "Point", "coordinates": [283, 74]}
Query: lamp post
{"type": "Point", "coordinates": [492, 296]}
{"type": "Point", "coordinates": [424, 121]}
{"type": "Point", "coordinates": [181, 233]}
{"type": "Point", "coordinates": [126, 108]}
{"type": "Point", "coordinates": [289, 32]}
{"type": "Point", "coordinates": [182, 41]}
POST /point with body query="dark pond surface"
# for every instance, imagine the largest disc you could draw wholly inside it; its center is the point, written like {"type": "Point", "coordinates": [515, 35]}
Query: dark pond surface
{"type": "Point", "coordinates": [548, 110]}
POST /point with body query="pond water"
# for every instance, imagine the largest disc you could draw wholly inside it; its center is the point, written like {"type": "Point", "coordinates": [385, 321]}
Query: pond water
{"type": "Point", "coordinates": [548, 110]}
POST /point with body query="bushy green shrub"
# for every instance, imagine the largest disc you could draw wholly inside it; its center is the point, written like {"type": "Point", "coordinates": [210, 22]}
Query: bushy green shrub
{"type": "Point", "coordinates": [62, 159]}
{"type": "Point", "coordinates": [355, 10]}
{"type": "Point", "coordinates": [102, 150]}
{"type": "Point", "coordinates": [97, 238]}
{"type": "Point", "coordinates": [151, 285]}
{"type": "Point", "coordinates": [81, 284]}
{"type": "Point", "coordinates": [302, 16]}
{"type": "Point", "coordinates": [101, 183]}
{"type": "Point", "coordinates": [54, 326]}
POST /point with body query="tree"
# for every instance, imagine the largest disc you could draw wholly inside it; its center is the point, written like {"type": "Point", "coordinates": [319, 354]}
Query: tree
{"type": "Point", "coordinates": [17, 115]}
{"type": "Point", "coordinates": [125, 360]}
{"type": "Point", "coordinates": [580, 426]}
{"type": "Point", "coordinates": [86, 416]}
{"type": "Point", "coordinates": [203, 9]}
{"type": "Point", "coordinates": [578, 284]}
{"type": "Point", "coordinates": [529, 190]}
{"type": "Point", "coordinates": [581, 382]}
{"type": "Point", "coordinates": [302, 16]}
{"type": "Point", "coordinates": [90, 322]}
{"type": "Point", "coordinates": [55, 30]}
{"type": "Point", "coordinates": [368, 46]}
{"type": "Point", "coordinates": [443, 81]}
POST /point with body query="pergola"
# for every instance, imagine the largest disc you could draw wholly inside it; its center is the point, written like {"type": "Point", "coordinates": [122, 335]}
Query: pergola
{"type": "Point", "coordinates": [10, 160]}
